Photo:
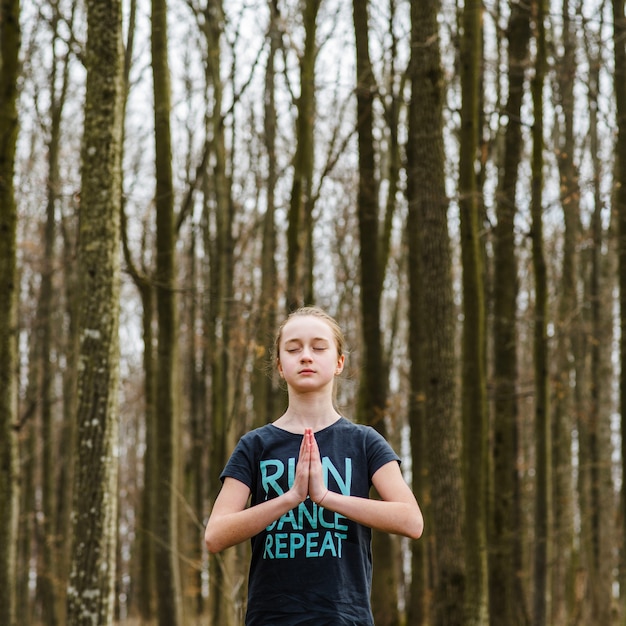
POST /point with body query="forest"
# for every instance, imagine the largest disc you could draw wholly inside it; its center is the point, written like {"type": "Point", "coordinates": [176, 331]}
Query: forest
{"type": "Point", "coordinates": [447, 178]}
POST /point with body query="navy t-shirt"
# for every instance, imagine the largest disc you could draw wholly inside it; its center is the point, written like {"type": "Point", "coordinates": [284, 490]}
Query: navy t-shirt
{"type": "Point", "coordinates": [312, 566]}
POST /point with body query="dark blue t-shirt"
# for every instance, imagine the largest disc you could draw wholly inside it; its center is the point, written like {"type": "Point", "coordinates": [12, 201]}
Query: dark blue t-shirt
{"type": "Point", "coordinates": [312, 566]}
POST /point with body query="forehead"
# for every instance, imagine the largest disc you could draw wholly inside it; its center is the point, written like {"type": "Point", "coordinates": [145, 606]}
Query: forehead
{"type": "Point", "coordinates": [306, 327]}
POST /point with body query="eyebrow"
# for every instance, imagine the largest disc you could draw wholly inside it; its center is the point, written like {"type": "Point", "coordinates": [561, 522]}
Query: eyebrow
{"type": "Point", "coordinates": [298, 340]}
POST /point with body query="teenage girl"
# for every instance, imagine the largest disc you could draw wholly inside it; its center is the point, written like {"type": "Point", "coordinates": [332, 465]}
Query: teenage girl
{"type": "Point", "coordinates": [308, 477]}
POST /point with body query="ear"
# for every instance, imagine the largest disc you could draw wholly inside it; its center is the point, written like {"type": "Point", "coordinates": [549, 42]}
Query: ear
{"type": "Point", "coordinates": [340, 363]}
{"type": "Point", "coordinates": [279, 367]}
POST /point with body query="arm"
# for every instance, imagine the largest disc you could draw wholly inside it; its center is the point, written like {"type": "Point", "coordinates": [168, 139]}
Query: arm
{"type": "Point", "coordinates": [397, 512]}
{"type": "Point", "coordinates": [232, 522]}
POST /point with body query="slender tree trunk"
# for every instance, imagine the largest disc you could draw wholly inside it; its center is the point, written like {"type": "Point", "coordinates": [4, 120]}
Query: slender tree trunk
{"type": "Point", "coordinates": [53, 528]}
{"type": "Point", "coordinates": [543, 447]}
{"type": "Point", "coordinates": [568, 327]}
{"type": "Point", "coordinates": [602, 488]}
{"type": "Point", "coordinates": [300, 226]}
{"type": "Point", "coordinates": [168, 584]}
{"type": "Point", "coordinates": [94, 515]}
{"type": "Point", "coordinates": [167, 431]}
{"type": "Point", "coordinates": [224, 595]}
{"type": "Point", "coordinates": [507, 605]}
{"type": "Point", "coordinates": [373, 388]}
{"type": "Point", "coordinates": [474, 394]}
{"type": "Point", "coordinates": [436, 437]}
{"type": "Point", "coordinates": [262, 384]}
{"type": "Point", "coordinates": [619, 83]}
{"type": "Point", "coordinates": [9, 53]}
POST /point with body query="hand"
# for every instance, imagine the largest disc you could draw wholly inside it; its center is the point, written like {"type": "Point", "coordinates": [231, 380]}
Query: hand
{"type": "Point", "coordinates": [300, 485]}
{"type": "Point", "coordinates": [317, 488]}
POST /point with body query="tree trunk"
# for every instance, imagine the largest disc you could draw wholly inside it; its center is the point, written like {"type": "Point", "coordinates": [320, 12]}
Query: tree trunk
{"type": "Point", "coordinates": [568, 326]}
{"type": "Point", "coordinates": [167, 418]}
{"type": "Point", "coordinates": [543, 447]}
{"type": "Point", "coordinates": [262, 382]}
{"type": "Point", "coordinates": [601, 286]}
{"type": "Point", "coordinates": [507, 600]}
{"type": "Point", "coordinates": [300, 226]}
{"type": "Point", "coordinates": [373, 387]}
{"type": "Point", "coordinates": [436, 448]}
{"type": "Point", "coordinates": [474, 388]}
{"type": "Point", "coordinates": [619, 84]}
{"type": "Point", "coordinates": [9, 54]}
{"type": "Point", "coordinates": [94, 515]}
{"type": "Point", "coordinates": [224, 596]}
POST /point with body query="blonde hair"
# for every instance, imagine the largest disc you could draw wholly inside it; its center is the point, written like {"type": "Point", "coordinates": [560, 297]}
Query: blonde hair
{"type": "Point", "coordinates": [314, 311]}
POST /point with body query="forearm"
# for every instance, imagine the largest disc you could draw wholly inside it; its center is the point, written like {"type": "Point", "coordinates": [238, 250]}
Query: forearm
{"type": "Point", "coordinates": [400, 518]}
{"type": "Point", "coordinates": [224, 531]}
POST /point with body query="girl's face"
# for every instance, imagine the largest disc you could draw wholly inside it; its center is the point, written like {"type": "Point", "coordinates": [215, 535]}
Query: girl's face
{"type": "Point", "coordinates": [307, 354]}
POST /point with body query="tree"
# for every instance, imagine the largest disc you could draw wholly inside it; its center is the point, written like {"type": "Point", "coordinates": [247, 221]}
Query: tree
{"type": "Point", "coordinates": [474, 383]}
{"type": "Point", "coordinates": [167, 433]}
{"type": "Point", "coordinates": [91, 588]}
{"type": "Point", "coordinates": [300, 228]}
{"type": "Point", "coordinates": [436, 437]}
{"type": "Point", "coordinates": [507, 606]}
{"type": "Point", "coordinates": [373, 386]}
{"type": "Point", "coordinates": [543, 447]}
{"type": "Point", "coordinates": [619, 43]}
{"type": "Point", "coordinates": [9, 71]}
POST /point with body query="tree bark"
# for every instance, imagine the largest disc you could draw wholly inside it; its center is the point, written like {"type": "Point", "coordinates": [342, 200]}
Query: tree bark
{"type": "Point", "coordinates": [435, 425]}
{"type": "Point", "coordinates": [543, 447]}
{"type": "Point", "coordinates": [507, 600]}
{"type": "Point", "coordinates": [170, 612]}
{"type": "Point", "coordinates": [372, 399]}
{"type": "Point", "coordinates": [92, 578]}
{"type": "Point", "coordinates": [619, 83]}
{"type": "Point", "coordinates": [300, 226]}
{"type": "Point", "coordinates": [474, 388]}
{"type": "Point", "coordinates": [9, 54]}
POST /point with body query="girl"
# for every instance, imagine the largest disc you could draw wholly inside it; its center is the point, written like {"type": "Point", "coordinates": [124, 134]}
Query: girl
{"type": "Point", "coordinates": [309, 475]}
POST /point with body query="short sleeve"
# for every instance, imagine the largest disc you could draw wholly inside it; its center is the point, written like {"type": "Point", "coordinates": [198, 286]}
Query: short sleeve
{"type": "Point", "coordinates": [379, 451]}
{"type": "Point", "coordinates": [240, 464]}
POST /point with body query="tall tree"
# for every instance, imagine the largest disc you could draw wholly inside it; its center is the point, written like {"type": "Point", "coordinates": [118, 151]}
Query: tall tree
{"type": "Point", "coordinates": [167, 431]}
{"type": "Point", "coordinates": [474, 385]}
{"type": "Point", "coordinates": [595, 417]}
{"type": "Point", "coordinates": [568, 336]}
{"type": "Point", "coordinates": [300, 227]}
{"type": "Point", "coordinates": [219, 312]}
{"type": "Point", "coordinates": [92, 580]}
{"type": "Point", "coordinates": [10, 35]}
{"type": "Point", "coordinates": [372, 386]}
{"type": "Point", "coordinates": [507, 606]}
{"type": "Point", "coordinates": [435, 425]}
{"type": "Point", "coordinates": [52, 528]}
{"type": "Point", "coordinates": [543, 448]}
{"type": "Point", "coordinates": [619, 84]}
{"type": "Point", "coordinates": [262, 385]}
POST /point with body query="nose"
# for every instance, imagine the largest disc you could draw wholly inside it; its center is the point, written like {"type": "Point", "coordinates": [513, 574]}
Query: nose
{"type": "Point", "coordinates": [306, 354]}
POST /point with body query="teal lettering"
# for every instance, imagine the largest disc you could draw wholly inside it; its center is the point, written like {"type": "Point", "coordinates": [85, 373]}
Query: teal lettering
{"type": "Point", "coordinates": [288, 518]}
{"type": "Point", "coordinates": [328, 544]}
{"type": "Point", "coordinates": [280, 543]}
{"type": "Point", "coordinates": [267, 552]}
{"type": "Point", "coordinates": [323, 522]}
{"type": "Point", "coordinates": [303, 512]}
{"type": "Point", "coordinates": [296, 542]}
{"type": "Point", "coordinates": [344, 483]}
{"type": "Point", "coordinates": [270, 480]}
{"type": "Point", "coordinates": [311, 545]}
{"type": "Point", "coordinates": [338, 525]}
{"type": "Point", "coordinates": [340, 537]}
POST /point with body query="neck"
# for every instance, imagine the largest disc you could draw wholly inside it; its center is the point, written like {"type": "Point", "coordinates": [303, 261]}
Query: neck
{"type": "Point", "coordinates": [308, 412]}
